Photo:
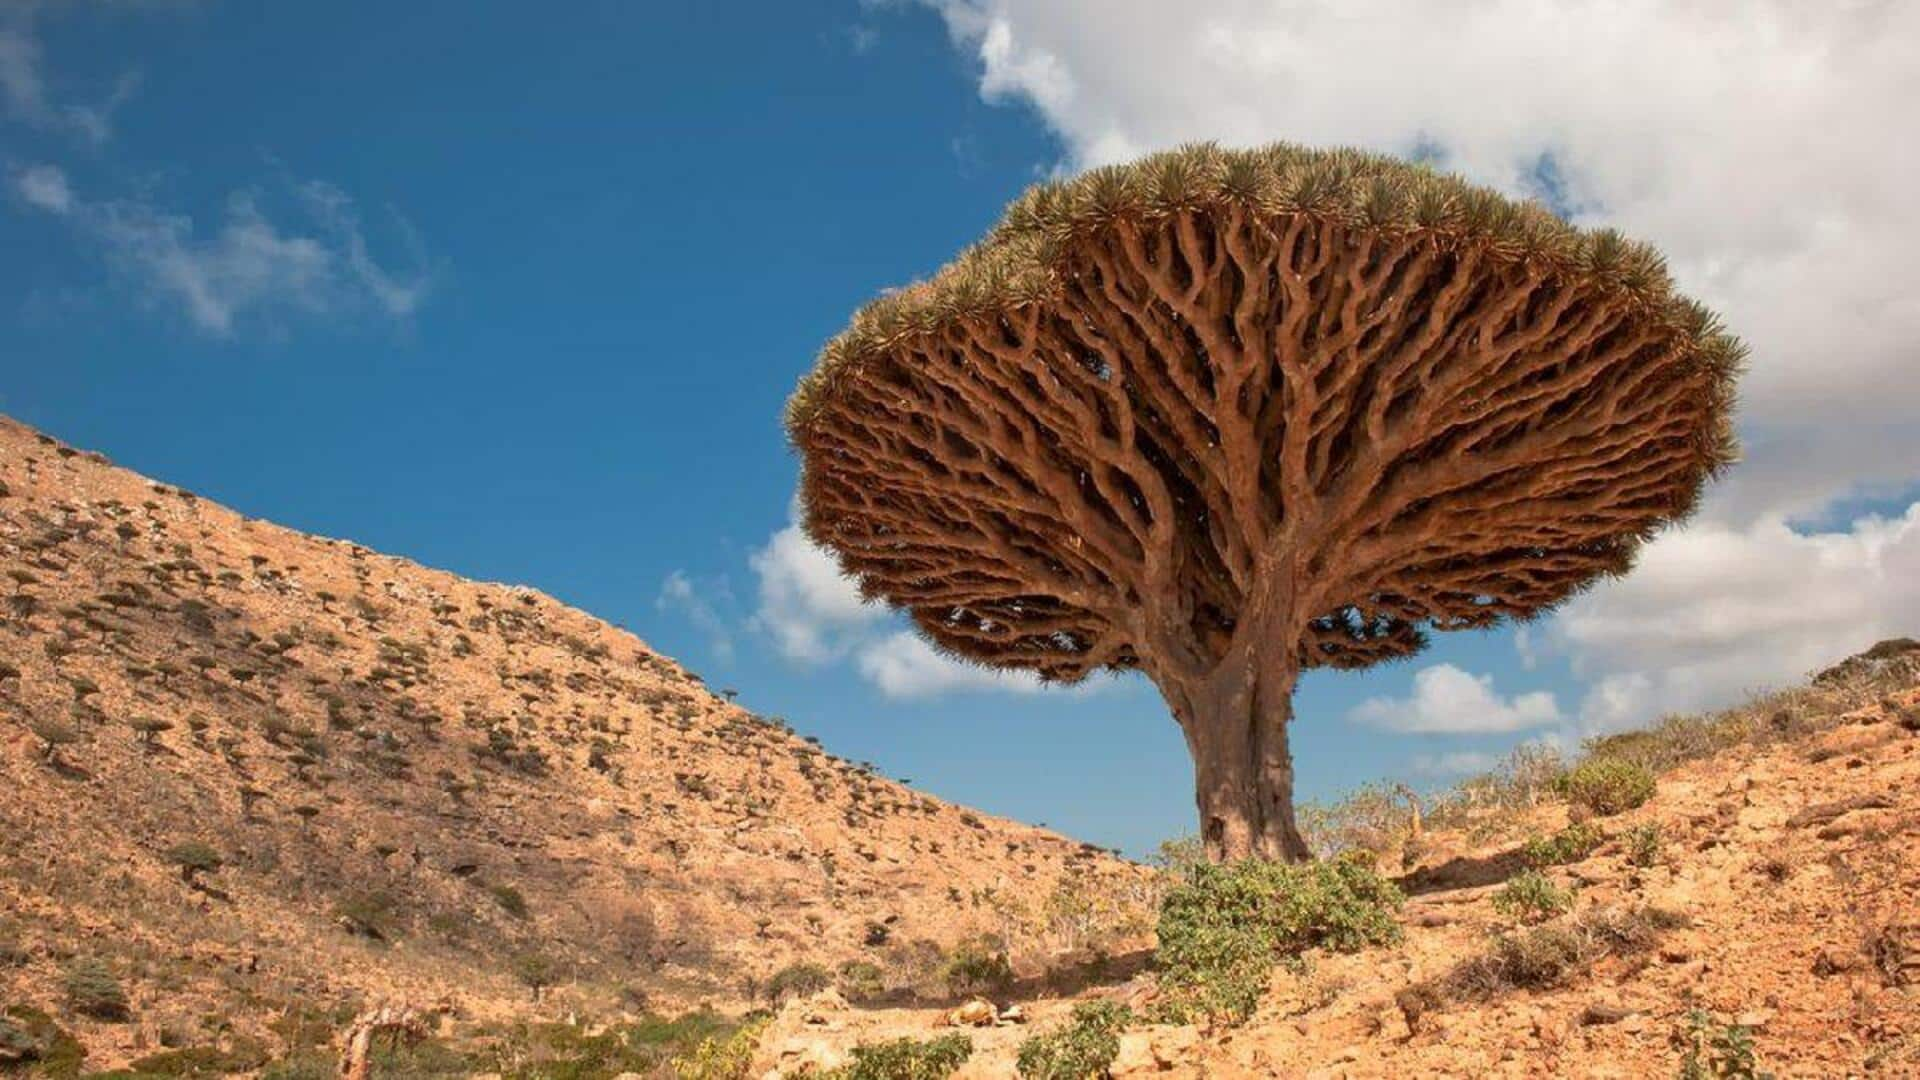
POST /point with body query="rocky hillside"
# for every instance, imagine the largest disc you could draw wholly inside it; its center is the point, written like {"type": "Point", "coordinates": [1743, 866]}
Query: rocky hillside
{"type": "Point", "coordinates": [1759, 913]}
{"type": "Point", "coordinates": [244, 769]}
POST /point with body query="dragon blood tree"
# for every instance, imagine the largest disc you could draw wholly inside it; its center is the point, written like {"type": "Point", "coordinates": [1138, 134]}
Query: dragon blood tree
{"type": "Point", "coordinates": [1221, 416]}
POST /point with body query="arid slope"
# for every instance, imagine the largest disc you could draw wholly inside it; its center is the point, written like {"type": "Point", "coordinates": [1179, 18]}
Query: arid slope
{"type": "Point", "coordinates": [417, 787]}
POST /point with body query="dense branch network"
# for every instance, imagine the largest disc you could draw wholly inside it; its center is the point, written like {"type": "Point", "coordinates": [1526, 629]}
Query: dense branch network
{"type": "Point", "coordinates": [1219, 399]}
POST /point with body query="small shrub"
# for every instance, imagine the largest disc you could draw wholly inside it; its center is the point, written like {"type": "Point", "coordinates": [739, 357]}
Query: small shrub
{"type": "Point", "coordinates": [720, 1058]}
{"type": "Point", "coordinates": [976, 965]}
{"type": "Point", "coordinates": [1643, 845]}
{"type": "Point", "coordinates": [907, 1059]}
{"type": "Point", "coordinates": [510, 900]}
{"type": "Point", "coordinates": [17, 1044]}
{"type": "Point", "coordinates": [535, 971]}
{"type": "Point", "coordinates": [1717, 1051]}
{"type": "Point", "coordinates": [92, 990]}
{"type": "Point", "coordinates": [798, 980]}
{"type": "Point", "coordinates": [1569, 845]}
{"type": "Point", "coordinates": [861, 980]}
{"type": "Point", "coordinates": [1607, 786]}
{"type": "Point", "coordinates": [1223, 929]}
{"type": "Point", "coordinates": [1530, 897]}
{"type": "Point", "coordinates": [367, 914]}
{"type": "Point", "coordinates": [1084, 1048]}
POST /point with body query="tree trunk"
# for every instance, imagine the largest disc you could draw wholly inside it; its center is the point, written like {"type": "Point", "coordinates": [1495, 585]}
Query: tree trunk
{"type": "Point", "coordinates": [1236, 726]}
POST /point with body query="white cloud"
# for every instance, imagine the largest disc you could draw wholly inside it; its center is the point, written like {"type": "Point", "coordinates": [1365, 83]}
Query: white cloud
{"type": "Point", "coordinates": [247, 266]}
{"type": "Point", "coordinates": [1752, 147]}
{"type": "Point", "coordinates": [1447, 700]}
{"type": "Point", "coordinates": [1714, 611]}
{"type": "Point", "coordinates": [678, 593]}
{"type": "Point", "coordinates": [44, 187]}
{"type": "Point", "coordinates": [814, 615]}
{"type": "Point", "coordinates": [1456, 763]}
{"type": "Point", "coordinates": [809, 608]}
{"type": "Point", "coordinates": [904, 665]}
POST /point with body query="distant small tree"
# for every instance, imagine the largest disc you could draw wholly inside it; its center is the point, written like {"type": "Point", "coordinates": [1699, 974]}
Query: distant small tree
{"type": "Point", "coordinates": [149, 728]}
{"type": "Point", "coordinates": [536, 971]}
{"type": "Point", "coordinates": [53, 735]}
{"type": "Point", "coordinates": [193, 858]}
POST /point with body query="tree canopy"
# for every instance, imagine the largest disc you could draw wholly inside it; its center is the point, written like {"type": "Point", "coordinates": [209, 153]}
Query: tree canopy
{"type": "Point", "coordinates": [1259, 410]}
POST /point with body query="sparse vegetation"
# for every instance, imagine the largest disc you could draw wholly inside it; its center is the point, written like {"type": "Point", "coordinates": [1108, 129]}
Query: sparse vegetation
{"type": "Point", "coordinates": [1223, 929]}
{"type": "Point", "coordinates": [93, 990]}
{"type": "Point", "coordinates": [1715, 1050]}
{"type": "Point", "coordinates": [1569, 845]}
{"type": "Point", "coordinates": [720, 1057]}
{"type": "Point", "coordinates": [1607, 785]}
{"type": "Point", "coordinates": [906, 1059]}
{"type": "Point", "coordinates": [860, 980]}
{"type": "Point", "coordinates": [798, 980]}
{"type": "Point", "coordinates": [1084, 1048]}
{"type": "Point", "coordinates": [1643, 845]}
{"type": "Point", "coordinates": [976, 965]}
{"type": "Point", "coordinates": [1530, 897]}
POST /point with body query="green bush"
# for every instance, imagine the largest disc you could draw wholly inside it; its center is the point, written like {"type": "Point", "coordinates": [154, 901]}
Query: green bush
{"type": "Point", "coordinates": [1569, 845]}
{"type": "Point", "coordinates": [861, 980]}
{"type": "Point", "coordinates": [92, 990]}
{"type": "Point", "coordinates": [1643, 845]}
{"type": "Point", "coordinates": [245, 1056]}
{"type": "Point", "coordinates": [720, 1058]}
{"type": "Point", "coordinates": [907, 1059]}
{"type": "Point", "coordinates": [1224, 928]}
{"type": "Point", "coordinates": [1530, 897]}
{"type": "Point", "coordinates": [54, 1051]}
{"type": "Point", "coordinates": [17, 1044]}
{"type": "Point", "coordinates": [510, 900]}
{"type": "Point", "coordinates": [1084, 1048]}
{"type": "Point", "coordinates": [977, 965]}
{"type": "Point", "coordinates": [798, 980]}
{"type": "Point", "coordinates": [1607, 785]}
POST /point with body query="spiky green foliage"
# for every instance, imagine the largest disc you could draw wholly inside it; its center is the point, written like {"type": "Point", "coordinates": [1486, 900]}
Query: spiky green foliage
{"type": "Point", "coordinates": [1019, 261]}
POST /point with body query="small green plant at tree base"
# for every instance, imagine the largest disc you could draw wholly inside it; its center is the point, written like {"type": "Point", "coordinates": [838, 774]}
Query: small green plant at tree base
{"type": "Point", "coordinates": [92, 990]}
{"type": "Point", "coordinates": [1717, 1051]}
{"type": "Point", "coordinates": [720, 1058]}
{"type": "Point", "coordinates": [1084, 1048]}
{"type": "Point", "coordinates": [798, 980]}
{"type": "Point", "coordinates": [1569, 845]}
{"type": "Point", "coordinates": [906, 1059]}
{"type": "Point", "coordinates": [977, 965]}
{"type": "Point", "coordinates": [1223, 929]}
{"type": "Point", "coordinates": [1607, 786]}
{"type": "Point", "coordinates": [1530, 897]}
{"type": "Point", "coordinates": [1643, 845]}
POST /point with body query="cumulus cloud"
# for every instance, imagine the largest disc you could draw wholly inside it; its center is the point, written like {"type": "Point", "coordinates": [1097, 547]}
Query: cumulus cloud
{"type": "Point", "coordinates": [678, 593]}
{"type": "Point", "coordinates": [1447, 700]}
{"type": "Point", "coordinates": [904, 665]}
{"type": "Point", "coordinates": [808, 607]}
{"type": "Point", "coordinates": [247, 265]}
{"type": "Point", "coordinates": [1752, 148]}
{"type": "Point", "coordinates": [1714, 611]}
{"type": "Point", "coordinates": [813, 614]}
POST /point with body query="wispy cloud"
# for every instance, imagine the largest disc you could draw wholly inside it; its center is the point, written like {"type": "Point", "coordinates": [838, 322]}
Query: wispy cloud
{"type": "Point", "coordinates": [678, 593]}
{"type": "Point", "coordinates": [246, 266]}
{"type": "Point", "coordinates": [24, 90]}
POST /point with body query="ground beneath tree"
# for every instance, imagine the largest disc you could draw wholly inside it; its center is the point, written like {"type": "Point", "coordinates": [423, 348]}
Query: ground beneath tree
{"type": "Point", "coordinates": [1797, 864]}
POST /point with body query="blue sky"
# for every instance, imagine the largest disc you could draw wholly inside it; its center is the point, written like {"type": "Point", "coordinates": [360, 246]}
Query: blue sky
{"type": "Point", "coordinates": [519, 291]}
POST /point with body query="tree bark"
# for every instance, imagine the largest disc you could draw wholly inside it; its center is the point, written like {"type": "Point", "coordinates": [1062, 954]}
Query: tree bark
{"type": "Point", "coordinates": [1235, 722]}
